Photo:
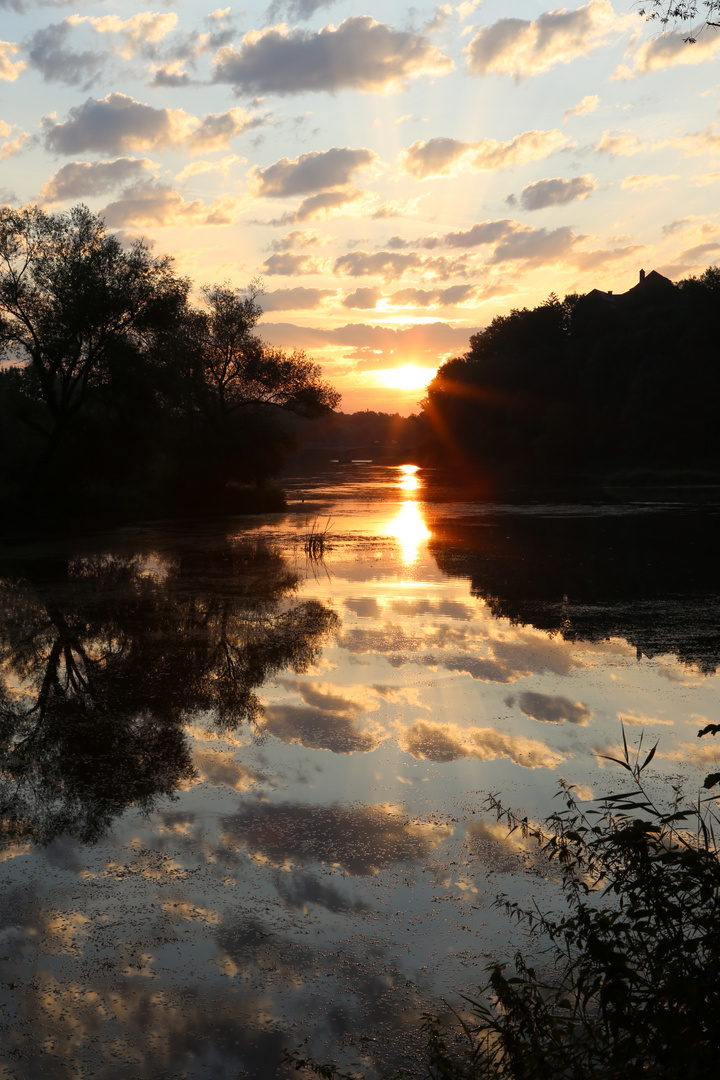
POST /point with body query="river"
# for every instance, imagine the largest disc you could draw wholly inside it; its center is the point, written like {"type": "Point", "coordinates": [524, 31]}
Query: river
{"type": "Point", "coordinates": [243, 787]}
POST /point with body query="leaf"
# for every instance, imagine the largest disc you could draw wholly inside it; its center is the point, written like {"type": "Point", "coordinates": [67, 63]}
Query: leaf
{"type": "Point", "coordinates": [650, 756]}
{"type": "Point", "coordinates": [617, 761]}
{"type": "Point", "coordinates": [712, 780]}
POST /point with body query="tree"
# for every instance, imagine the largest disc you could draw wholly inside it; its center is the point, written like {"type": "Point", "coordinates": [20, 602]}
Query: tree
{"type": "Point", "coordinates": [241, 390]}
{"type": "Point", "coordinates": [667, 11]}
{"type": "Point", "coordinates": [72, 300]}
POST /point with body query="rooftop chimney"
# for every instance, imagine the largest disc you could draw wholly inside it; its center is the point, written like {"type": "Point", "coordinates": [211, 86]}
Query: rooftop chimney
{"type": "Point", "coordinates": [642, 276]}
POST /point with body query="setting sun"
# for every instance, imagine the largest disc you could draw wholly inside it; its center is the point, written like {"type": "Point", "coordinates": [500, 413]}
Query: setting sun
{"type": "Point", "coordinates": [408, 377]}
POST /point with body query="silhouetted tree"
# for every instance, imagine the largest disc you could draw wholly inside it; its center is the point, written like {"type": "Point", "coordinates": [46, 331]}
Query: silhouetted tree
{"type": "Point", "coordinates": [73, 303]}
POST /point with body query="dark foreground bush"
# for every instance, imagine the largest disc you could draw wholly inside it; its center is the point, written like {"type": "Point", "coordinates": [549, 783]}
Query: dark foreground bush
{"type": "Point", "coordinates": [626, 979]}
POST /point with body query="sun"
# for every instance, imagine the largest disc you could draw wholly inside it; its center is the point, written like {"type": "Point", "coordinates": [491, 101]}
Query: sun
{"type": "Point", "coordinates": [408, 377]}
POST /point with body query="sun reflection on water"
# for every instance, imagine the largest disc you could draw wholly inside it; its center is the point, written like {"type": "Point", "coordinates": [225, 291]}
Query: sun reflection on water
{"type": "Point", "coordinates": [410, 529]}
{"type": "Point", "coordinates": [408, 478]}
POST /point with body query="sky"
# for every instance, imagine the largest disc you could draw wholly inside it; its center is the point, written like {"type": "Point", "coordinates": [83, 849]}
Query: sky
{"type": "Point", "coordinates": [392, 176]}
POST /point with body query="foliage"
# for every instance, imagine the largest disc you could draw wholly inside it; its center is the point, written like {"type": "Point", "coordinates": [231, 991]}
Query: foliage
{"type": "Point", "coordinates": [116, 393]}
{"type": "Point", "coordinates": [590, 385]}
{"type": "Point", "coordinates": [630, 979]}
{"type": "Point", "coordinates": [670, 11]}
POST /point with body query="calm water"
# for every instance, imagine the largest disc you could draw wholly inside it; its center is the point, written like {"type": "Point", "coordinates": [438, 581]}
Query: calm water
{"type": "Point", "coordinates": [242, 791]}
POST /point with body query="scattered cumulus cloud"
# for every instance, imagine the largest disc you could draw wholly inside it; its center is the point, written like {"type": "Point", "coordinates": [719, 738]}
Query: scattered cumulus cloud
{"type": "Point", "coordinates": [669, 49]}
{"type": "Point", "coordinates": [134, 34]}
{"type": "Point", "coordinates": [153, 203]}
{"type": "Point", "coordinates": [290, 263]}
{"type": "Point", "coordinates": [359, 54]}
{"type": "Point", "coordinates": [522, 47]}
{"type": "Point", "coordinates": [199, 168]}
{"type": "Point", "coordinates": [118, 123]}
{"type": "Point", "coordinates": [588, 104]}
{"type": "Point", "coordinates": [297, 299]}
{"type": "Point", "coordinates": [557, 191]}
{"type": "Point", "coordinates": [443, 156]}
{"type": "Point", "coordinates": [645, 181]}
{"type": "Point", "coordinates": [49, 55]}
{"type": "Point", "coordinates": [312, 172]}
{"type": "Point", "coordinates": [364, 299]}
{"type": "Point", "coordinates": [216, 129]}
{"type": "Point", "coordinates": [85, 179]}
{"type": "Point", "coordinates": [625, 144]}
{"type": "Point", "coordinates": [9, 68]}
{"type": "Point", "coordinates": [323, 205]}
{"type": "Point", "coordinates": [12, 146]}
{"type": "Point", "coordinates": [693, 144]}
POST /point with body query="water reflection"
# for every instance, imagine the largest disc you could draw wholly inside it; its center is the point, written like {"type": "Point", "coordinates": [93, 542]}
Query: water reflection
{"type": "Point", "coordinates": [409, 480]}
{"type": "Point", "coordinates": [646, 573]}
{"type": "Point", "coordinates": [410, 529]}
{"type": "Point", "coordinates": [104, 659]}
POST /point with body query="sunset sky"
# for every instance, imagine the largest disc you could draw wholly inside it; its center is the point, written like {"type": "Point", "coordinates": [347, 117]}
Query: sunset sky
{"type": "Point", "coordinates": [395, 175]}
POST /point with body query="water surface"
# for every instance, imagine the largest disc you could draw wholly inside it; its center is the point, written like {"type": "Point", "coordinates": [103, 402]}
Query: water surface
{"type": "Point", "coordinates": [242, 789]}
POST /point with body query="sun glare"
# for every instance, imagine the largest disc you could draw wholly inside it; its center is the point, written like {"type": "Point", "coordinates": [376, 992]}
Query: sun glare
{"type": "Point", "coordinates": [408, 480]}
{"type": "Point", "coordinates": [410, 529]}
{"type": "Point", "coordinates": [409, 377]}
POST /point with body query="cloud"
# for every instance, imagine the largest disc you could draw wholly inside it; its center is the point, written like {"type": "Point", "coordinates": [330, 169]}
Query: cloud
{"type": "Point", "coordinates": [363, 300]}
{"type": "Point", "coordinates": [701, 255]}
{"type": "Point", "coordinates": [669, 49]}
{"type": "Point", "coordinates": [118, 123]}
{"type": "Point", "coordinates": [448, 157]}
{"type": "Point", "coordinates": [450, 742]}
{"type": "Point", "coordinates": [199, 168]}
{"type": "Point", "coordinates": [557, 192]}
{"type": "Point", "coordinates": [521, 47]}
{"type": "Point", "coordinates": [645, 181]}
{"type": "Point", "coordinates": [152, 203]}
{"type": "Point", "coordinates": [706, 141]}
{"type": "Point", "coordinates": [136, 33]}
{"type": "Point", "coordinates": [317, 729]}
{"type": "Point", "coordinates": [316, 171]}
{"type": "Point", "coordinates": [298, 299]}
{"type": "Point", "coordinates": [588, 104]}
{"type": "Point", "coordinates": [625, 144]}
{"type": "Point", "coordinates": [296, 10]}
{"type": "Point", "coordinates": [299, 238]}
{"type": "Point", "coordinates": [485, 232]}
{"type": "Point", "coordinates": [393, 265]}
{"type": "Point", "coordinates": [323, 205]}
{"type": "Point", "coordinates": [426, 298]}
{"type": "Point", "coordinates": [9, 68]}
{"type": "Point", "coordinates": [361, 839]}
{"type": "Point", "coordinates": [289, 263]}
{"type": "Point", "coordinates": [374, 347]}
{"type": "Point", "coordinates": [80, 179]}
{"type": "Point", "coordinates": [216, 129]}
{"type": "Point", "coordinates": [56, 63]}
{"type": "Point", "coordinates": [552, 709]}
{"type": "Point", "coordinates": [387, 264]}
{"type": "Point", "coordinates": [13, 146]}
{"type": "Point", "coordinates": [359, 54]}
{"type": "Point", "coordinates": [535, 247]}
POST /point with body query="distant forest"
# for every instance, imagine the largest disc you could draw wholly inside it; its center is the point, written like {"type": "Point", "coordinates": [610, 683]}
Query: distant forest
{"type": "Point", "coordinates": [589, 386]}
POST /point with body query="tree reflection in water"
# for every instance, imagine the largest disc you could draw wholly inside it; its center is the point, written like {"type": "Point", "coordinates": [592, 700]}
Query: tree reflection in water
{"type": "Point", "coordinates": [645, 573]}
{"type": "Point", "coordinates": [103, 660]}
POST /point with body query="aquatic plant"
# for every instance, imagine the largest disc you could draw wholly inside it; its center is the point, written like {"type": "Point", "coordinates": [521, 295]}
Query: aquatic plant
{"type": "Point", "coordinates": [317, 539]}
{"type": "Point", "coordinates": [627, 978]}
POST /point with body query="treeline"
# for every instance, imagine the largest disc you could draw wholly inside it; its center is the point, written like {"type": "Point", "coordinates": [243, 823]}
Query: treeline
{"type": "Point", "coordinates": [591, 385]}
{"type": "Point", "coordinates": [118, 395]}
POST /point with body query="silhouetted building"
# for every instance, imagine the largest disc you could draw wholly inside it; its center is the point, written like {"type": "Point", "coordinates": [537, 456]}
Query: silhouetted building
{"type": "Point", "coordinates": [651, 281]}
